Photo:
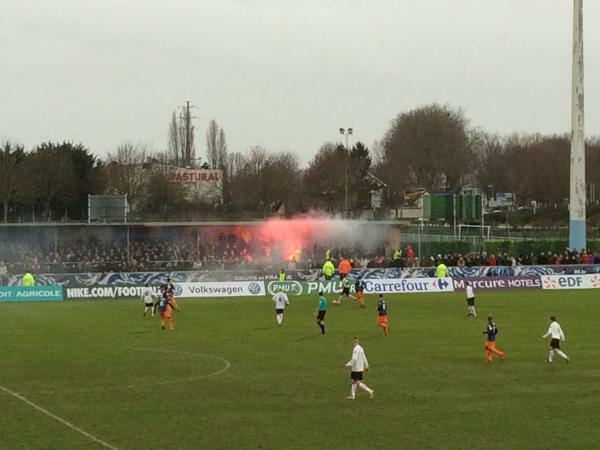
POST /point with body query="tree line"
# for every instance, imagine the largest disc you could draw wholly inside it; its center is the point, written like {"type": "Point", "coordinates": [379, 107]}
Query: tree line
{"type": "Point", "coordinates": [433, 147]}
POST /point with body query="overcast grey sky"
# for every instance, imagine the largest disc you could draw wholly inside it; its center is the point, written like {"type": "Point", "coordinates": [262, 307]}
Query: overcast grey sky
{"type": "Point", "coordinates": [285, 74]}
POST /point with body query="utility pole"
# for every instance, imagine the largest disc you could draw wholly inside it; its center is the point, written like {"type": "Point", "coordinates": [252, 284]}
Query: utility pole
{"type": "Point", "coordinates": [577, 213]}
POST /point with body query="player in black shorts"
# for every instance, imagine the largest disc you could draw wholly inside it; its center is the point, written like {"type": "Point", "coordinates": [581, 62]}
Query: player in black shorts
{"type": "Point", "coordinates": [557, 334]}
{"type": "Point", "coordinates": [321, 311]}
{"type": "Point", "coordinates": [358, 376]}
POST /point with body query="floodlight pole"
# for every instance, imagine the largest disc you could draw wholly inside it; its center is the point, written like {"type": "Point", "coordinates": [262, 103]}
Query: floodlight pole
{"type": "Point", "coordinates": [346, 133]}
{"type": "Point", "coordinates": [577, 192]}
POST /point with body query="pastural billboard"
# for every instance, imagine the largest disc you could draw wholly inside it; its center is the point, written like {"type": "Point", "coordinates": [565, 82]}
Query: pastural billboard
{"type": "Point", "coordinates": [201, 184]}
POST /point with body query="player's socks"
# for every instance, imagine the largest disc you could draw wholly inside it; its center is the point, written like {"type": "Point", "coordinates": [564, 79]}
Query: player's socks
{"type": "Point", "coordinates": [322, 328]}
{"type": "Point", "coordinates": [550, 356]}
{"type": "Point", "coordinates": [562, 354]}
{"type": "Point", "coordinates": [353, 390]}
{"type": "Point", "coordinates": [364, 387]}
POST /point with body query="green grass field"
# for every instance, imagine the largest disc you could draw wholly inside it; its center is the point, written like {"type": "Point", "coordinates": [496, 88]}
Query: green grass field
{"type": "Point", "coordinates": [228, 377]}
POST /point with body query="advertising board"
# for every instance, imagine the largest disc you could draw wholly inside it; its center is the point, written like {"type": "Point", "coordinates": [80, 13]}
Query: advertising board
{"type": "Point", "coordinates": [516, 282]}
{"type": "Point", "coordinates": [374, 286]}
{"type": "Point", "coordinates": [570, 281]}
{"type": "Point", "coordinates": [100, 292]}
{"type": "Point", "coordinates": [220, 289]}
{"type": "Point", "coordinates": [42, 293]}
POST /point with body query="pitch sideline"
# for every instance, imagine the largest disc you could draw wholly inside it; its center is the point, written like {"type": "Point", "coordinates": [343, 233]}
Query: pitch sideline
{"type": "Point", "coordinates": [58, 418]}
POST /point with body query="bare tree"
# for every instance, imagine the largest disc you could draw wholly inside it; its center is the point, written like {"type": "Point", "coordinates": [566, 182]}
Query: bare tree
{"type": "Point", "coordinates": [222, 150]}
{"type": "Point", "coordinates": [258, 159]}
{"type": "Point", "coordinates": [236, 162]}
{"type": "Point", "coordinates": [181, 147]}
{"type": "Point", "coordinates": [212, 138]}
{"type": "Point", "coordinates": [378, 152]}
{"type": "Point", "coordinates": [125, 171]}
{"type": "Point", "coordinates": [216, 146]}
{"type": "Point", "coordinates": [187, 136]}
{"type": "Point", "coordinates": [428, 147]}
{"type": "Point", "coordinates": [174, 142]}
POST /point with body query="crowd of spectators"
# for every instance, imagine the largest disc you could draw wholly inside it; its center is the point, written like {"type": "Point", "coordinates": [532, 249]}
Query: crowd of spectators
{"type": "Point", "coordinates": [230, 251]}
{"type": "Point", "coordinates": [568, 257]}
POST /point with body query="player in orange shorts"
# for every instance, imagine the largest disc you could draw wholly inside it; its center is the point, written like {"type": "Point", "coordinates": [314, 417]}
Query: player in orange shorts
{"type": "Point", "coordinates": [165, 307]}
{"type": "Point", "coordinates": [382, 320]}
{"type": "Point", "coordinates": [359, 287]}
{"type": "Point", "coordinates": [490, 343]}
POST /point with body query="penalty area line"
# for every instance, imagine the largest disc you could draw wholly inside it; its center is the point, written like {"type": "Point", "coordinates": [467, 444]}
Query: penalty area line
{"type": "Point", "coordinates": [58, 419]}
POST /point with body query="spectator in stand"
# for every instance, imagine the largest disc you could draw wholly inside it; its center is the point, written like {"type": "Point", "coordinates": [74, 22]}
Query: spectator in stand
{"type": "Point", "coordinates": [491, 260]}
{"type": "Point", "coordinates": [410, 254]}
{"type": "Point", "coordinates": [533, 259]}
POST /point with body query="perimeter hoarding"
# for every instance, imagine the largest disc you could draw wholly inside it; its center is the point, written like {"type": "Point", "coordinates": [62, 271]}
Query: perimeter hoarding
{"type": "Point", "coordinates": [103, 292]}
{"type": "Point", "coordinates": [206, 289]}
{"type": "Point", "coordinates": [44, 293]}
{"type": "Point", "coordinates": [220, 289]}
{"type": "Point", "coordinates": [570, 281]}
{"type": "Point", "coordinates": [378, 286]}
{"type": "Point", "coordinates": [484, 283]}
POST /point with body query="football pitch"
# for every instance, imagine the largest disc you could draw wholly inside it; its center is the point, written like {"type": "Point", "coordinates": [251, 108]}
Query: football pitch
{"type": "Point", "coordinates": [86, 375]}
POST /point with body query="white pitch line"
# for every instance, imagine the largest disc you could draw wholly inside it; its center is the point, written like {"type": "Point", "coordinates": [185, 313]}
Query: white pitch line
{"type": "Point", "coordinates": [226, 367]}
{"type": "Point", "coordinates": [59, 419]}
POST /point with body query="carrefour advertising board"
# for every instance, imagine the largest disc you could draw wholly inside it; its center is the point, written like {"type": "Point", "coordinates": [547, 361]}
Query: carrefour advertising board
{"type": "Point", "coordinates": [374, 286]}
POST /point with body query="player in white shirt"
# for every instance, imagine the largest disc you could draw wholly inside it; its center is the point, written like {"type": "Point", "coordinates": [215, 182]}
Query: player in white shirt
{"type": "Point", "coordinates": [148, 296]}
{"type": "Point", "coordinates": [358, 364]}
{"type": "Point", "coordinates": [345, 285]}
{"type": "Point", "coordinates": [557, 335]}
{"type": "Point", "coordinates": [470, 299]}
{"type": "Point", "coordinates": [281, 301]}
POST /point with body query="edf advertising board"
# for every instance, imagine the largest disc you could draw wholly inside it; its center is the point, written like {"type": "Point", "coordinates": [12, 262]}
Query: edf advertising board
{"type": "Point", "coordinates": [570, 281]}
